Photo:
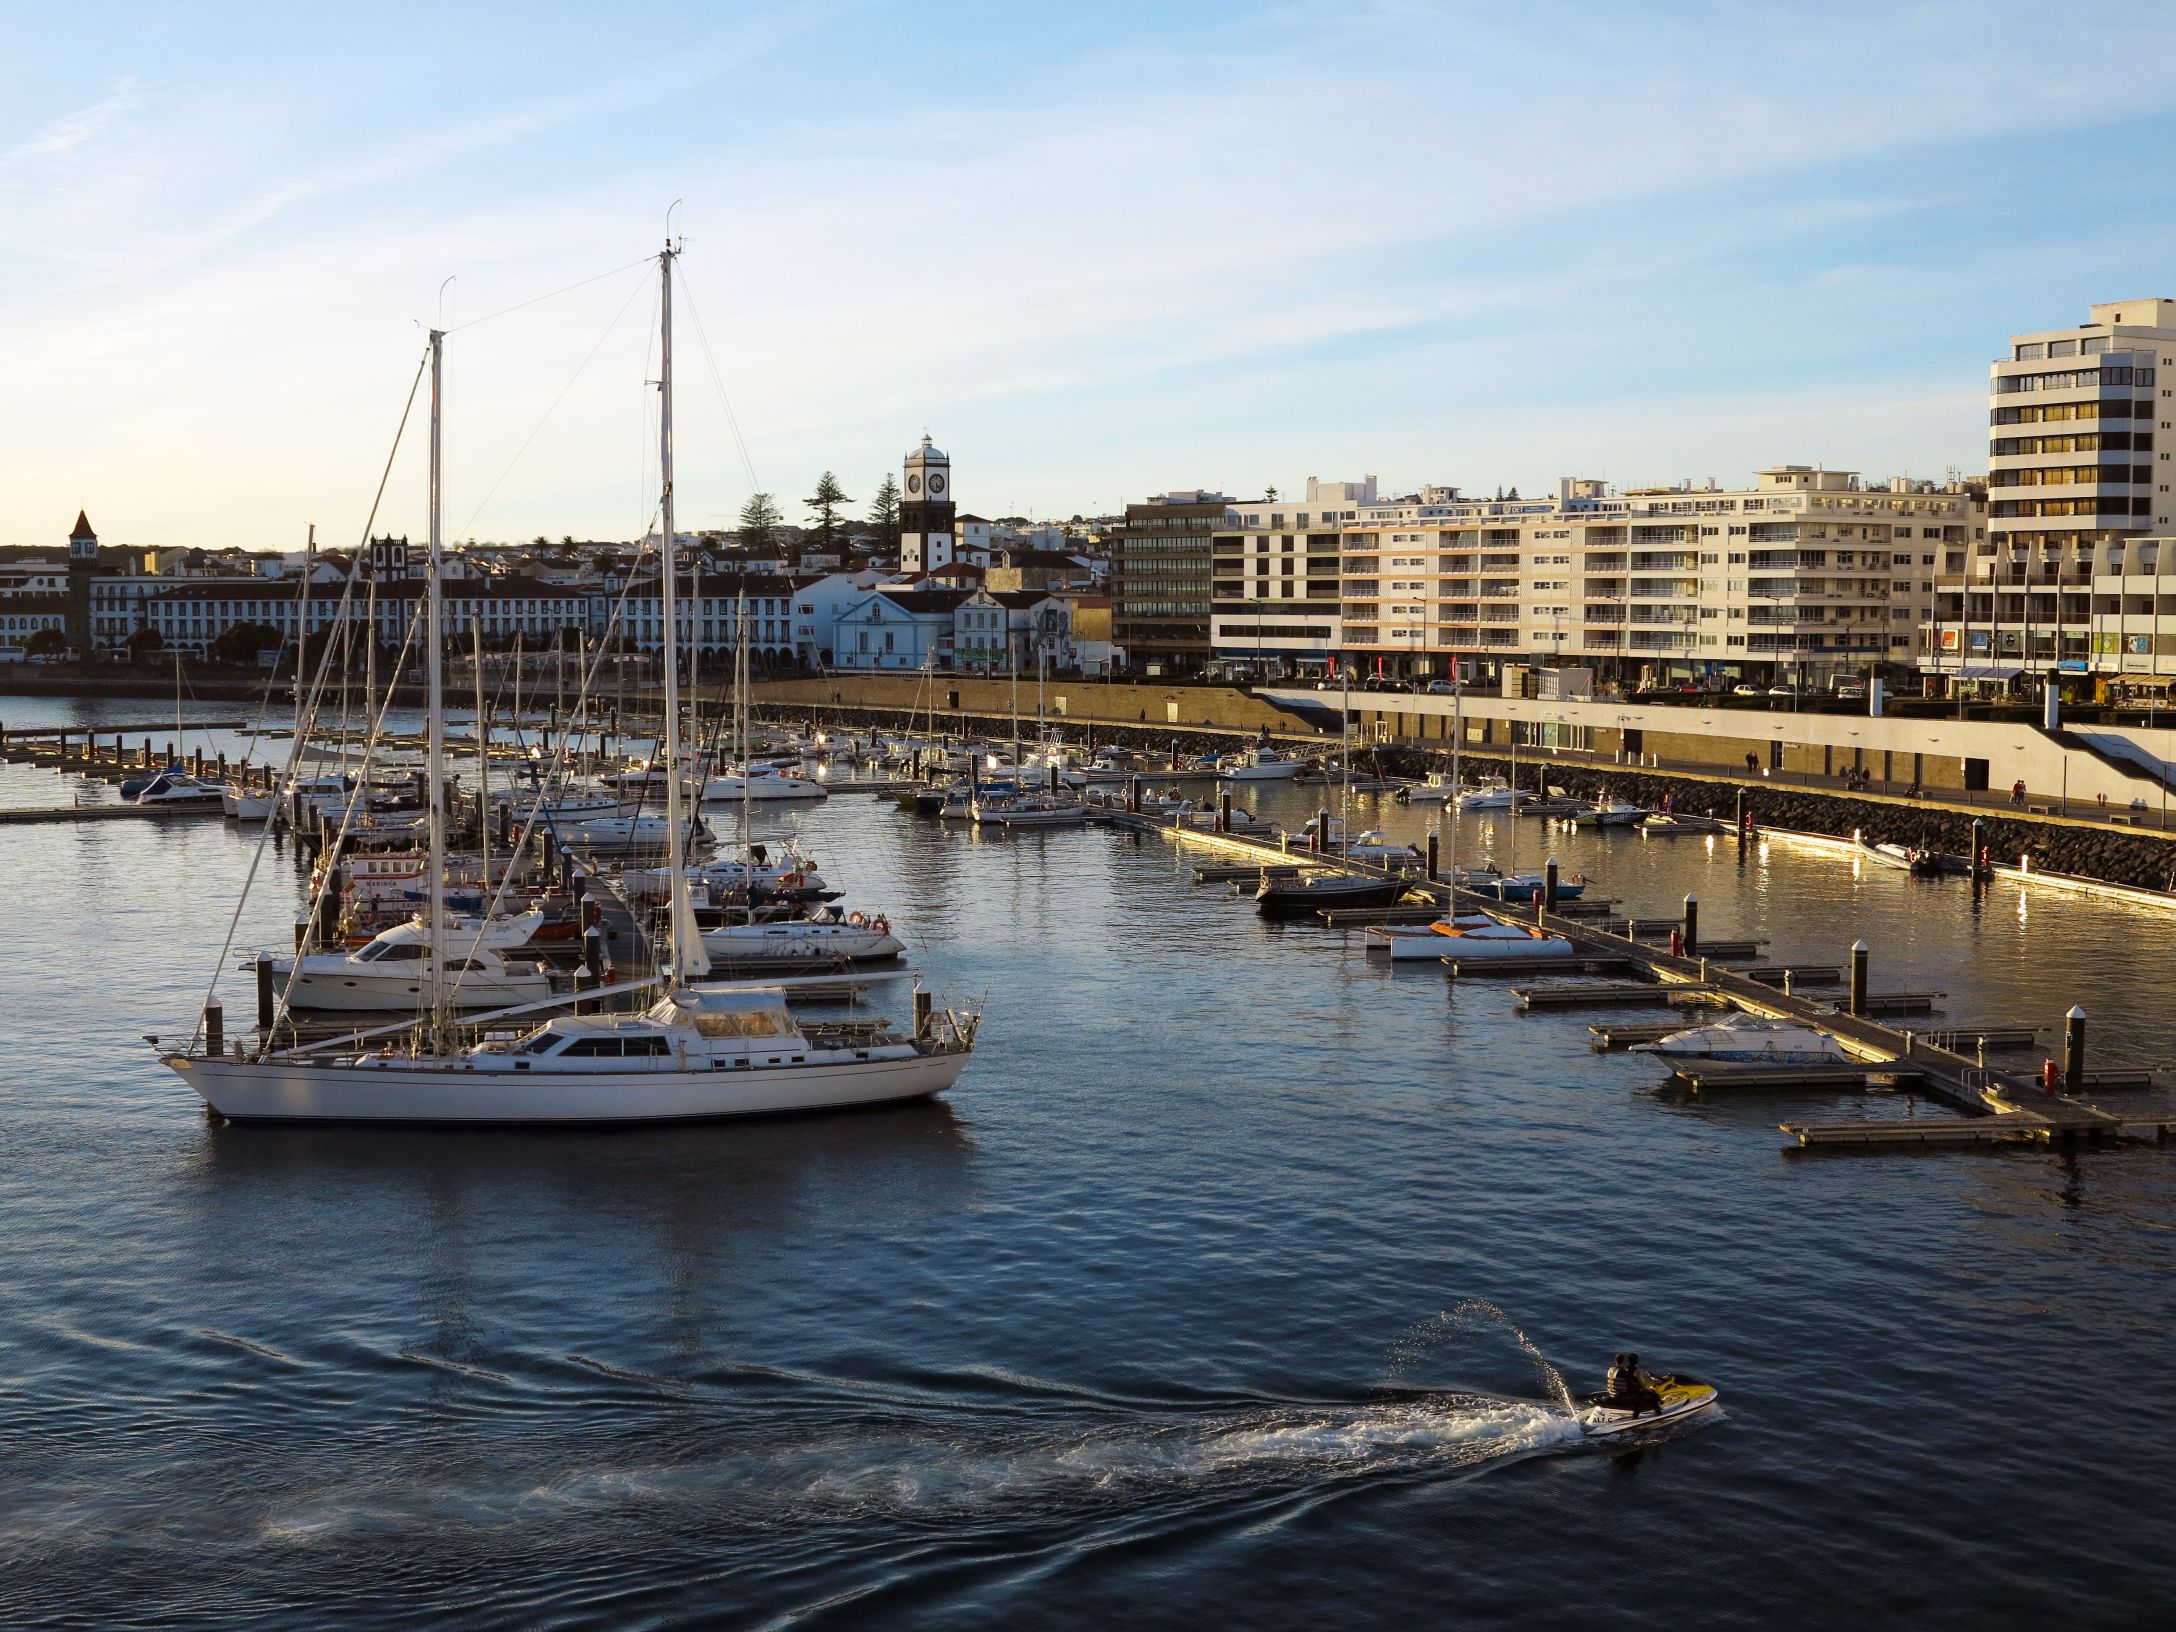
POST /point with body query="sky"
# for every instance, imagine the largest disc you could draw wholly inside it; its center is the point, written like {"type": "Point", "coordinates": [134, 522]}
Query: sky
{"type": "Point", "coordinates": [1097, 251]}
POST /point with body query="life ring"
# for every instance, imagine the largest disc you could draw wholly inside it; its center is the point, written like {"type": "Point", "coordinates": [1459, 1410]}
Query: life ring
{"type": "Point", "coordinates": [883, 926]}
{"type": "Point", "coordinates": [859, 920]}
{"type": "Point", "coordinates": [792, 881]}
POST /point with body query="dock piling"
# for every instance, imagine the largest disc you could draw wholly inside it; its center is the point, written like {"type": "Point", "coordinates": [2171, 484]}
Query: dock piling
{"type": "Point", "coordinates": [921, 1012]}
{"type": "Point", "coordinates": [1548, 883]}
{"type": "Point", "coordinates": [1433, 842]}
{"type": "Point", "coordinates": [1858, 978]}
{"type": "Point", "coordinates": [1692, 926]}
{"type": "Point", "coordinates": [265, 1004]}
{"type": "Point", "coordinates": [2074, 1050]}
{"type": "Point", "coordinates": [215, 1030]}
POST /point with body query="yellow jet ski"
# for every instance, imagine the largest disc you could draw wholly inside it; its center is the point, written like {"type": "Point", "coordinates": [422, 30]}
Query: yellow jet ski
{"type": "Point", "coordinates": [1681, 1396]}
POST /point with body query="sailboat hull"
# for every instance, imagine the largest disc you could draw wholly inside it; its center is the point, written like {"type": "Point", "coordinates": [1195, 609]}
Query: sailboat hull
{"type": "Point", "coordinates": [458, 1092]}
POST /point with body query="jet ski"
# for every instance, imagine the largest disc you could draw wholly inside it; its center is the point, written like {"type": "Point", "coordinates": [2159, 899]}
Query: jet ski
{"type": "Point", "coordinates": [1682, 1397]}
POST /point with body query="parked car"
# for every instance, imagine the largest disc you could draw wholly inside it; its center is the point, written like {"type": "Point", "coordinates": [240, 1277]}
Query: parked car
{"type": "Point", "coordinates": [1747, 691]}
{"type": "Point", "coordinates": [1443, 688]}
{"type": "Point", "coordinates": [1850, 691]}
{"type": "Point", "coordinates": [1781, 691]}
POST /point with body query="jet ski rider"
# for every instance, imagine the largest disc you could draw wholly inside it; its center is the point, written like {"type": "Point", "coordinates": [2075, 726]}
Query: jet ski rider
{"type": "Point", "coordinates": [1631, 1389]}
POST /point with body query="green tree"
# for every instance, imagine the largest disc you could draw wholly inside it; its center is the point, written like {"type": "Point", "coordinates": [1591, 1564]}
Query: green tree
{"type": "Point", "coordinates": [1269, 497]}
{"type": "Point", "coordinates": [145, 644]}
{"type": "Point", "coordinates": [45, 643]}
{"type": "Point", "coordinates": [829, 496]}
{"type": "Point", "coordinates": [243, 642]}
{"type": "Point", "coordinates": [759, 522]}
{"type": "Point", "coordinates": [884, 512]}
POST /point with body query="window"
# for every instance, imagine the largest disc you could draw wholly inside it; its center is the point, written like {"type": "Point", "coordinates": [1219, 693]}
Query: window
{"type": "Point", "coordinates": [594, 1047]}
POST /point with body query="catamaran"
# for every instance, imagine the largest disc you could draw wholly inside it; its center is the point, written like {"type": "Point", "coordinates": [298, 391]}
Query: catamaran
{"type": "Point", "coordinates": [693, 1053]}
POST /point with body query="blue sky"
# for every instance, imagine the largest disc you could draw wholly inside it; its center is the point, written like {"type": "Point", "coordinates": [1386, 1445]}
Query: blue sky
{"type": "Point", "coordinates": [1097, 251]}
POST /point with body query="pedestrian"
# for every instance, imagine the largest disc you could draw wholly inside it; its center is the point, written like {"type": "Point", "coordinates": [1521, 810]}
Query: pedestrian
{"type": "Point", "coordinates": [2017, 791]}
{"type": "Point", "coordinates": [1752, 763]}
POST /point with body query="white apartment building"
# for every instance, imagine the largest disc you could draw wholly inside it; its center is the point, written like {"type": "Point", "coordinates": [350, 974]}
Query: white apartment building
{"type": "Point", "coordinates": [2075, 570]}
{"type": "Point", "coordinates": [1274, 607]}
{"type": "Point", "coordinates": [1808, 577]}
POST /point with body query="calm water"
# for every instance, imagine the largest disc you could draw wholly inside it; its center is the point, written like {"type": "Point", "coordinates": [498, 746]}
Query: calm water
{"type": "Point", "coordinates": [1152, 1321]}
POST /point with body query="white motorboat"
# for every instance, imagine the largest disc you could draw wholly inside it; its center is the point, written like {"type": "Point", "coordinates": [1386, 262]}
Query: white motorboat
{"type": "Point", "coordinates": [395, 969]}
{"type": "Point", "coordinates": [178, 790]}
{"type": "Point", "coordinates": [693, 1054]}
{"type": "Point", "coordinates": [1438, 788]}
{"type": "Point", "coordinates": [822, 938]}
{"type": "Point", "coordinates": [1495, 796]}
{"type": "Point", "coordinates": [1261, 763]}
{"type": "Point", "coordinates": [1748, 1039]}
{"type": "Point", "coordinates": [760, 781]}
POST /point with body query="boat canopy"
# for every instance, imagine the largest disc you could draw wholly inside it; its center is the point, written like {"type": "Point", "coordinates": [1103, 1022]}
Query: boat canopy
{"type": "Point", "coordinates": [752, 1011]}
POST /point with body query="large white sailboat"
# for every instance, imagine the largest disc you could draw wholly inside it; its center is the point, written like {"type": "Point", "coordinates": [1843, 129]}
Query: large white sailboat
{"type": "Point", "coordinates": [694, 1053]}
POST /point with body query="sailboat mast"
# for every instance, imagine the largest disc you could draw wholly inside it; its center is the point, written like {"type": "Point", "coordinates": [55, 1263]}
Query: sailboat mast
{"type": "Point", "coordinates": [1458, 738]}
{"type": "Point", "coordinates": [685, 944]}
{"type": "Point", "coordinates": [434, 651]}
{"type": "Point", "coordinates": [302, 620]}
{"type": "Point", "coordinates": [483, 751]}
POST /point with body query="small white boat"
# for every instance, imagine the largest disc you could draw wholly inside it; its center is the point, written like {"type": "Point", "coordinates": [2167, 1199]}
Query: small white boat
{"type": "Point", "coordinates": [632, 831]}
{"type": "Point", "coordinates": [760, 781]}
{"type": "Point", "coordinates": [177, 790]}
{"type": "Point", "coordinates": [1611, 814]}
{"type": "Point", "coordinates": [1373, 848]}
{"type": "Point", "coordinates": [1466, 940]}
{"type": "Point", "coordinates": [1030, 810]}
{"type": "Point", "coordinates": [1417, 943]}
{"type": "Point", "coordinates": [392, 972]}
{"type": "Point", "coordinates": [823, 938]}
{"type": "Point", "coordinates": [1437, 789]}
{"type": "Point", "coordinates": [1496, 796]}
{"type": "Point", "coordinates": [1749, 1040]}
{"type": "Point", "coordinates": [1261, 764]}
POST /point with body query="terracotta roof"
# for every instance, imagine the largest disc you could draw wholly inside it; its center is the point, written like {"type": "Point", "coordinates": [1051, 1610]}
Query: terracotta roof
{"type": "Point", "coordinates": [83, 527]}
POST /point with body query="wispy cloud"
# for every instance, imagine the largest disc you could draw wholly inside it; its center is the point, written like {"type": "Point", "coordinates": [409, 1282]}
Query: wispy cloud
{"type": "Point", "coordinates": [71, 130]}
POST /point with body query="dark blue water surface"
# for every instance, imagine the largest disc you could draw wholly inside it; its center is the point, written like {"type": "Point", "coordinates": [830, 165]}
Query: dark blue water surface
{"type": "Point", "coordinates": [1159, 1319]}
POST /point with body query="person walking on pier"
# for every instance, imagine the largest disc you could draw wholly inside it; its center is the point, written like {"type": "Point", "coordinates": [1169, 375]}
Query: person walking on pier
{"type": "Point", "coordinates": [2017, 791]}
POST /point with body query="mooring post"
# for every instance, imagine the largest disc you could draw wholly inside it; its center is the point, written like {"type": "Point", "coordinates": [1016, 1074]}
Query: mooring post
{"type": "Point", "coordinates": [2074, 1050]}
{"type": "Point", "coordinates": [1322, 830]}
{"type": "Point", "coordinates": [1786, 983]}
{"type": "Point", "coordinates": [265, 995]}
{"type": "Point", "coordinates": [1548, 883]}
{"type": "Point", "coordinates": [1133, 795]}
{"type": "Point", "coordinates": [1432, 856]}
{"type": "Point", "coordinates": [1224, 811]}
{"type": "Point", "coordinates": [1858, 977]}
{"type": "Point", "coordinates": [215, 1030]}
{"type": "Point", "coordinates": [921, 1012]}
{"type": "Point", "coordinates": [1979, 844]}
{"type": "Point", "coordinates": [1692, 926]}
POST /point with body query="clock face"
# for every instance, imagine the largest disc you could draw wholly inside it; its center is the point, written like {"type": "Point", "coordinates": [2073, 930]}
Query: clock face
{"type": "Point", "coordinates": [936, 484]}
{"type": "Point", "coordinates": [914, 484]}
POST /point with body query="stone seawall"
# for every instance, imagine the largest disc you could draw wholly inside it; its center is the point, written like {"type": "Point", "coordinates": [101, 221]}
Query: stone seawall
{"type": "Point", "coordinates": [2086, 849]}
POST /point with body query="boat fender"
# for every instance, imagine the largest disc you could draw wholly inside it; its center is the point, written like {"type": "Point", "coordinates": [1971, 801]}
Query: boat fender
{"type": "Point", "coordinates": [2051, 1076]}
{"type": "Point", "coordinates": [858, 919]}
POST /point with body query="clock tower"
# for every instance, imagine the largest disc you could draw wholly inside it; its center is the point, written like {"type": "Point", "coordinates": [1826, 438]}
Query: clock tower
{"type": "Point", "coordinates": [82, 563]}
{"type": "Point", "coordinates": [928, 537]}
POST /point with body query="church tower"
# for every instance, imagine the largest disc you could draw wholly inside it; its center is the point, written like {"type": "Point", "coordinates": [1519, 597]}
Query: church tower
{"type": "Point", "coordinates": [927, 534]}
{"type": "Point", "coordinates": [82, 562]}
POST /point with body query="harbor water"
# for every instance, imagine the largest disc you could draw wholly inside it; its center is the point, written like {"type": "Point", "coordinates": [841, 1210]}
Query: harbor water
{"type": "Point", "coordinates": [1236, 1284]}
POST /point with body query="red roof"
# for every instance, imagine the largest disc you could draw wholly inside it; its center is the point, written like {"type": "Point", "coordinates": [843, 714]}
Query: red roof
{"type": "Point", "coordinates": [83, 527]}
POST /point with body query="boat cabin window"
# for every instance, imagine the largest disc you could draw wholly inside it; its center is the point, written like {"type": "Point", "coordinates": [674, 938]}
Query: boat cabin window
{"type": "Point", "coordinates": [644, 1045]}
{"type": "Point", "coordinates": [392, 952]}
{"type": "Point", "coordinates": [594, 1047]}
{"type": "Point", "coordinates": [464, 963]}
